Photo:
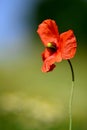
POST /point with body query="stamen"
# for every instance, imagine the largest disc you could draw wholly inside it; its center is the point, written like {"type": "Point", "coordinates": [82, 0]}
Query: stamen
{"type": "Point", "coordinates": [50, 45]}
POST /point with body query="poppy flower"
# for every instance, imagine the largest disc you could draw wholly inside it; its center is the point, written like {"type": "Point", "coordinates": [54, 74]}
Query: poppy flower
{"type": "Point", "coordinates": [58, 47]}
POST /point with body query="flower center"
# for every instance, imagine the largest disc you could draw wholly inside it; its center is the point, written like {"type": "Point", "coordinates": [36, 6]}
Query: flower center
{"type": "Point", "coordinates": [51, 46]}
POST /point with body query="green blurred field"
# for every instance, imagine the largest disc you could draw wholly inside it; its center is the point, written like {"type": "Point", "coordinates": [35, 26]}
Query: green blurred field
{"type": "Point", "coordinates": [32, 100]}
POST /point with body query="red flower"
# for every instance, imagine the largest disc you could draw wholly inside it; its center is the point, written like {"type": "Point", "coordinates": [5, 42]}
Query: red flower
{"type": "Point", "coordinates": [58, 46]}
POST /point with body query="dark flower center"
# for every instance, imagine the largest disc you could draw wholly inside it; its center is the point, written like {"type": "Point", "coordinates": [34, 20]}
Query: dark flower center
{"type": "Point", "coordinates": [51, 47]}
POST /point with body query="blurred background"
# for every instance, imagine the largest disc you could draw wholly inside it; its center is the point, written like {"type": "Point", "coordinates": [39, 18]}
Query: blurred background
{"type": "Point", "coordinates": [30, 99]}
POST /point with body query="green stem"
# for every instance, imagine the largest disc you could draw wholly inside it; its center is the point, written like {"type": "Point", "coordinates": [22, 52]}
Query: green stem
{"type": "Point", "coordinates": [71, 96]}
{"type": "Point", "coordinates": [72, 71]}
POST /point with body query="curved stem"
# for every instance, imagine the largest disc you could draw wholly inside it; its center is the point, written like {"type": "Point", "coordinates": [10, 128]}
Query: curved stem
{"type": "Point", "coordinates": [72, 71]}
{"type": "Point", "coordinates": [71, 96]}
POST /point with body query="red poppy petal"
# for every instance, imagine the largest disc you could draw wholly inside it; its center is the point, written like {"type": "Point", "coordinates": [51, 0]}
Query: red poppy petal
{"type": "Point", "coordinates": [68, 44]}
{"type": "Point", "coordinates": [48, 32]}
{"type": "Point", "coordinates": [45, 54]}
{"type": "Point", "coordinates": [48, 68]}
{"type": "Point", "coordinates": [58, 56]}
{"type": "Point", "coordinates": [48, 64]}
{"type": "Point", "coordinates": [48, 52]}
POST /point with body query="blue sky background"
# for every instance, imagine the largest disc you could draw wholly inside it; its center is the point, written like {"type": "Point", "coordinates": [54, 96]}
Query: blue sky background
{"type": "Point", "coordinates": [13, 27]}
